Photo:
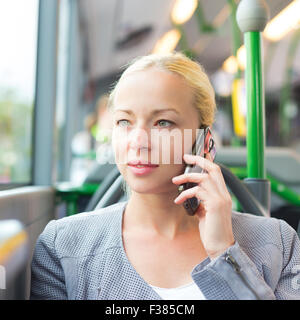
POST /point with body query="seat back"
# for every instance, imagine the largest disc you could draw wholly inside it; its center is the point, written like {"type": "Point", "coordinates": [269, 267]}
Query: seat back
{"type": "Point", "coordinates": [113, 195]}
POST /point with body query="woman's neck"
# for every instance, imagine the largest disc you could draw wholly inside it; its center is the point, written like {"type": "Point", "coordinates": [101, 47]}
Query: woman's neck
{"type": "Point", "coordinates": [158, 214]}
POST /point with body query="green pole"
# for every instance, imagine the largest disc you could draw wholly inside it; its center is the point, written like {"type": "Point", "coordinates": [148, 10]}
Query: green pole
{"type": "Point", "coordinates": [256, 106]}
{"type": "Point", "coordinates": [252, 17]}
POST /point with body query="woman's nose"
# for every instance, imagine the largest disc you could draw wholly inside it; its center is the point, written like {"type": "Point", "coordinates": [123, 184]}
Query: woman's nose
{"type": "Point", "coordinates": [139, 139]}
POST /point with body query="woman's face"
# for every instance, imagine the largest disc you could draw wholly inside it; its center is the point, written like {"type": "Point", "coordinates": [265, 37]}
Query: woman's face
{"type": "Point", "coordinates": [154, 124]}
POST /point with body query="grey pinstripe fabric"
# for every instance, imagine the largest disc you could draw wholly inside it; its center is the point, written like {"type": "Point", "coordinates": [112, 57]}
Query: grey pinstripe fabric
{"type": "Point", "coordinates": [82, 257]}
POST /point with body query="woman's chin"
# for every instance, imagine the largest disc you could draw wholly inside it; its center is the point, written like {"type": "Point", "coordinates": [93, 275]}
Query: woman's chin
{"type": "Point", "coordinates": [144, 189]}
{"type": "Point", "coordinates": [151, 187]}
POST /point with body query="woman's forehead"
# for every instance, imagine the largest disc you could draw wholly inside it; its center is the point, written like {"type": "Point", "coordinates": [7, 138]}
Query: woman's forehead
{"type": "Point", "coordinates": [154, 86]}
{"type": "Point", "coordinates": [154, 75]}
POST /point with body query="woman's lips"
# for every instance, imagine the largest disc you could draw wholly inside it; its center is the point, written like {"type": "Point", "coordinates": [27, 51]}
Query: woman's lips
{"type": "Point", "coordinates": [142, 169]}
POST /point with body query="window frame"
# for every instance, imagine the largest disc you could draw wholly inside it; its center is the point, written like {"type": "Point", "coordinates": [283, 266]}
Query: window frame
{"type": "Point", "coordinates": [45, 93]}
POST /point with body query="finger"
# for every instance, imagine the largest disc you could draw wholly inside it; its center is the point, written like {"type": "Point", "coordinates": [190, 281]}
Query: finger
{"type": "Point", "coordinates": [213, 169]}
{"type": "Point", "coordinates": [203, 163]}
{"type": "Point", "coordinates": [197, 192]}
{"type": "Point", "coordinates": [203, 179]}
{"type": "Point", "coordinates": [189, 177]}
{"type": "Point", "coordinates": [218, 177]}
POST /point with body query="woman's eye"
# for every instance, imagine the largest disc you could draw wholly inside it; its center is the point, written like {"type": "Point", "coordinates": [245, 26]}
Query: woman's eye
{"type": "Point", "coordinates": [123, 123]}
{"type": "Point", "coordinates": [165, 123]}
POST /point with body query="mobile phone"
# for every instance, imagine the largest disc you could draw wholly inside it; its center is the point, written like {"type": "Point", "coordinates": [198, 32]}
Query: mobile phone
{"type": "Point", "coordinates": [203, 145]}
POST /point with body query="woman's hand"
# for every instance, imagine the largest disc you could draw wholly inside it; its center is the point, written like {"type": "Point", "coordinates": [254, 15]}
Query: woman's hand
{"type": "Point", "coordinates": [214, 211]}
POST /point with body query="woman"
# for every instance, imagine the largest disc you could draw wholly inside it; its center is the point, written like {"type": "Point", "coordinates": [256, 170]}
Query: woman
{"type": "Point", "coordinates": [149, 247]}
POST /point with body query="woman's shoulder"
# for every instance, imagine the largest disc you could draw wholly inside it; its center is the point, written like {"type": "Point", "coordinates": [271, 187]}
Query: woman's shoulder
{"type": "Point", "coordinates": [84, 219]}
{"type": "Point", "coordinates": [254, 231]}
{"type": "Point", "coordinates": [86, 233]}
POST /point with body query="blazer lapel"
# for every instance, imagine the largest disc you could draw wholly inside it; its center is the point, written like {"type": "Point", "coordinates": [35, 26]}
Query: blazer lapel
{"type": "Point", "coordinates": [118, 278]}
{"type": "Point", "coordinates": [120, 281]}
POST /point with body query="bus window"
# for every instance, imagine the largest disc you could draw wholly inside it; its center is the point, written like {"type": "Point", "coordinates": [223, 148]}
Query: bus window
{"type": "Point", "coordinates": [18, 34]}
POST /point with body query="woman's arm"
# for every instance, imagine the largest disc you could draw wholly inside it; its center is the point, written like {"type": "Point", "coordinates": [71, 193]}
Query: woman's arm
{"type": "Point", "coordinates": [233, 275]}
{"type": "Point", "coordinates": [228, 273]}
{"type": "Point", "coordinates": [47, 276]}
{"type": "Point", "coordinates": [288, 286]}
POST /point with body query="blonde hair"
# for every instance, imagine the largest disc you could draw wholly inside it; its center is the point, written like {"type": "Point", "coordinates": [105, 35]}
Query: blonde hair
{"type": "Point", "coordinates": [190, 70]}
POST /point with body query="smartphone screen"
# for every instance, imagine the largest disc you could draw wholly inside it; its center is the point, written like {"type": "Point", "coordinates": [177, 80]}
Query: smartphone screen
{"type": "Point", "coordinates": [203, 145]}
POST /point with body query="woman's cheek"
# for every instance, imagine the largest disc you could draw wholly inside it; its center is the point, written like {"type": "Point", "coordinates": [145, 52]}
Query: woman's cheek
{"type": "Point", "coordinates": [119, 145]}
{"type": "Point", "coordinates": [162, 147]}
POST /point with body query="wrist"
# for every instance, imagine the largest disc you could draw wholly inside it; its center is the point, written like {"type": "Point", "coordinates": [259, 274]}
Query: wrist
{"type": "Point", "coordinates": [213, 254]}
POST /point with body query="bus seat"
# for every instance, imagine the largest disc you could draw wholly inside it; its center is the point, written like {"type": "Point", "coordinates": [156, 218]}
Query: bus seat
{"type": "Point", "coordinates": [14, 255]}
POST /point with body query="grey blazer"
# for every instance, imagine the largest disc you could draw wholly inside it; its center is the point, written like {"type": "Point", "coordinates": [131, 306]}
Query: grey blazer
{"type": "Point", "coordinates": [83, 257]}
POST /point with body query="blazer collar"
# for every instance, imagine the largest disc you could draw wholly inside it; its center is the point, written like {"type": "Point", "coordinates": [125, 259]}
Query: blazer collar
{"type": "Point", "coordinates": [118, 271]}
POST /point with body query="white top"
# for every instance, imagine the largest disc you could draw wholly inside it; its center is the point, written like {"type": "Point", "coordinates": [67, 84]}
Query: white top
{"type": "Point", "coordinates": [188, 291]}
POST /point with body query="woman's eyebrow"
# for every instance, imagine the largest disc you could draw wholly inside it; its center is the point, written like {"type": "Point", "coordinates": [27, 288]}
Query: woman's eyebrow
{"type": "Point", "coordinates": [157, 111]}
{"type": "Point", "coordinates": [154, 112]}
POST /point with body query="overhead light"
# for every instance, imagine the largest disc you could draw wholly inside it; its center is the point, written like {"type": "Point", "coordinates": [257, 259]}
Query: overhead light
{"type": "Point", "coordinates": [232, 64]}
{"type": "Point", "coordinates": [183, 10]}
{"type": "Point", "coordinates": [287, 20]}
{"type": "Point", "coordinates": [168, 42]}
{"type": "Point", "coordinates": [241, 57]}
